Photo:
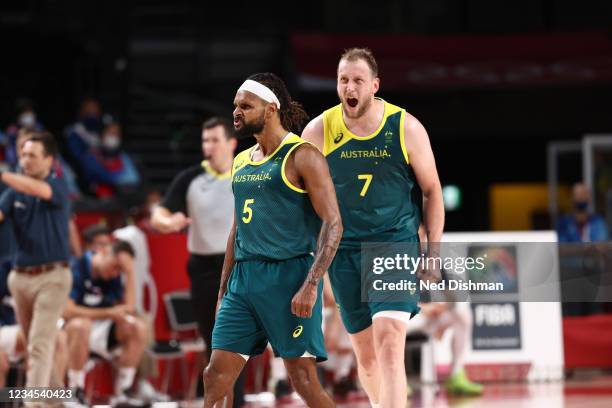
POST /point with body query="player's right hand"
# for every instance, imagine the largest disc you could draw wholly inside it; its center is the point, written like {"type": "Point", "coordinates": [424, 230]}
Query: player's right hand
{"type": "Point", "coordinates": [304, 300]}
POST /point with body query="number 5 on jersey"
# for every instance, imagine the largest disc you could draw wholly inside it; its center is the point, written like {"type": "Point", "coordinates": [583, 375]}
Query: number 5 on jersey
{"type": "Point", "coordinates": [247, 210]}
{"type": "Point", "coordinates": [366, 185]}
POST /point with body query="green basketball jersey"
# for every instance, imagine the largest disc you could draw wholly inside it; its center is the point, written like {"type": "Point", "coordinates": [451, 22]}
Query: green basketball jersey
{"type": "Point", "coordinates": [274, 219]}
{"type": "Point", "coordinates": [378, 195]}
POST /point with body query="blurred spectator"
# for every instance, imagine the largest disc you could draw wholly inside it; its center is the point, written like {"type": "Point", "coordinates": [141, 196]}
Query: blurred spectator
{"type": "Point", "coordinates": [117, 168]}
{"type": "Point", "coordinates": [100, 318]}
{"type": "Point", "coordinates": [433, 320]}
{"type": "Point", "coordinates": [8, 244]}
{"type": "Point", "coordinates": [83, 140]}
{"type": "Point", "coordinates": [84, 135]}
{"type": "Point", "coordinates": [97, 237]}
{"type": "Point", "coordinates": [26, 120]}
{"type": "Point", "coordinates": [580, 225]}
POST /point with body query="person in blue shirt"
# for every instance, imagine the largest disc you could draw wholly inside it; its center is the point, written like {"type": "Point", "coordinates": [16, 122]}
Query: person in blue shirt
{"type": "Point", "coordinates": [580, 225]}
{"type": "Point", "coordinates": [38, 204]}
{"type": "Point", "coordinates": [101, 316]}
{"type": "Point", "coordinates": [84, 134]}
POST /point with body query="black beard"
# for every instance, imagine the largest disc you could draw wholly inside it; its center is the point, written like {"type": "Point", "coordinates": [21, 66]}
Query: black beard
{"type": "Point", "coordinates": [249, 129]}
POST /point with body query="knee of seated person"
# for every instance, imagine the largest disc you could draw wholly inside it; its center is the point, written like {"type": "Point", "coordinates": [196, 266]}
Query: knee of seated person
{"type": "Point", "coordinates": [128, 326]}
{"type": "Point", "coordinates": [137, 330]}
{"type": "Point", "coordinates": [78, 328]}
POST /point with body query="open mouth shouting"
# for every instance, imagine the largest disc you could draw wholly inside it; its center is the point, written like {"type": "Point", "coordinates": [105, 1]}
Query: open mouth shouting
{"type": "Point", "coordinates": [238, 122]}
{"type": "Point", "coordinates": [352, 102]}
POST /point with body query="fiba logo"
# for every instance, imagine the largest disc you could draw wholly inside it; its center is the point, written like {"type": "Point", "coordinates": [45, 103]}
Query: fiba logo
{"type": "Point", "coordinates": [495, 315]}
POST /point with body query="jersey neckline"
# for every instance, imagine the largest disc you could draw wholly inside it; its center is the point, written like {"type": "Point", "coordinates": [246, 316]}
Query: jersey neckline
{"type": "Point", "coordinates": [285, 140]}
{"type": "Point", "coordinates": [372, 135]}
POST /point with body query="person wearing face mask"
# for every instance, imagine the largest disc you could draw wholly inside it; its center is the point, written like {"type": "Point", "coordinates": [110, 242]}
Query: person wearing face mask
{"type": "Point", "coordinates": [116, 162]}
{"type": "Point", "coordinates": [581, 225]}
{"type": "Point", "coordinates": [83, 141]}
{"type": "Point", "coordinates": [85, 133]}
{"type": "Point", "coordinates": [26, 121]}
{"type": "Point", "coordinates": [105, 167]}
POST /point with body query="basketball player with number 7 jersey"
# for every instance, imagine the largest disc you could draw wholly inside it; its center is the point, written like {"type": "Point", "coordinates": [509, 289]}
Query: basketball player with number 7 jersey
{"type": "Point", "coordinates": [386, 183]}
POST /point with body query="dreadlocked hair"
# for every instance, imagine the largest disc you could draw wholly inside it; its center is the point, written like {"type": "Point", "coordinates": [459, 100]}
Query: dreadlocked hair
{"type": "Point", "coordinates": [292, 115]}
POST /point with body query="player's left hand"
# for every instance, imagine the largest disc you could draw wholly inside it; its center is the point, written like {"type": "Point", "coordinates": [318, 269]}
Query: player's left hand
{"type": "Point", "coordinates": [304, 300]}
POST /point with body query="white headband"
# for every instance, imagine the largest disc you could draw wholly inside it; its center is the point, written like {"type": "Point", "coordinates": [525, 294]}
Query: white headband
{"type": "Point", "coordinates": [260, 90]}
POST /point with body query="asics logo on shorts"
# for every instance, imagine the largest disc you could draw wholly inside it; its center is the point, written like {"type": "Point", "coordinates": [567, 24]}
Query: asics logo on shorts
{"type": "Point", "coordinates": [298, 330]}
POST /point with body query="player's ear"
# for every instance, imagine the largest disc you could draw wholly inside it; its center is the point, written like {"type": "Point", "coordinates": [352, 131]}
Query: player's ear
{"type": "Point", "coordinates": [270, 110]}
{"type": "Point", "coordinates": [375, 85]}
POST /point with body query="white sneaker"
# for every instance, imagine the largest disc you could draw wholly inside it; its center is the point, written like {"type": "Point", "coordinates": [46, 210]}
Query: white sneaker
{"type": "Point", "coordinates": [148, 393]}
{"type": "Point", "coordinates": [128, 399]}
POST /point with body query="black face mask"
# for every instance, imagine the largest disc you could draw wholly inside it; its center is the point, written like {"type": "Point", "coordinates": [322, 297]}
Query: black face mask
{"type": "Point", "coordinates": [249, 129]}
{"type": "Point", "coordinates": [581, 206]}
{"type": "Point", "coordinates": [92, 123]}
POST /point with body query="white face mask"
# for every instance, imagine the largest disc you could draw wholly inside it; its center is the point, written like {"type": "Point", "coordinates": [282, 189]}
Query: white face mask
{"type": "Point", "coordinates": [111, 142]}
{"type": "Point", "coordinates": [27, 120]}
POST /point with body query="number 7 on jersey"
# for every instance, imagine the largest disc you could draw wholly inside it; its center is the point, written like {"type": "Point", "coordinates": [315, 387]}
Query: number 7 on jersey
{"type": "Point", "coordinates": [366, 185]}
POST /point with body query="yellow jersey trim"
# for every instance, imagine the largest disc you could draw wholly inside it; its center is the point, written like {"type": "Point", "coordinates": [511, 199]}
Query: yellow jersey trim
{"type": "Point", "coordinates": [376, 132]}
{"type": "Point", "coordinates": [290, 138]}
{"type": "Point", "coordinates": [241, 160]}
{"type": "Point", "coordinates": [220, 176]}
{"type": "Point", "coordinates": [402, 136]}
{"type": "Point", "coordinates": [325, 126]}
{"type": "Point", "coordinates": [333, 125]}
{"type": "Point", "coordinates": [284, 176]}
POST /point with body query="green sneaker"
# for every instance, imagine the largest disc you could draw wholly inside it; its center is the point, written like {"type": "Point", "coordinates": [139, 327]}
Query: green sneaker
{"type": "Point", "coordinates": [459, 384]}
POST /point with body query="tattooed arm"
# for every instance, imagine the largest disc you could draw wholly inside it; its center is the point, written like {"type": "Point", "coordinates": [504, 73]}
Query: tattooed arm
{"type": "Point", "coordinates": [309, 167]}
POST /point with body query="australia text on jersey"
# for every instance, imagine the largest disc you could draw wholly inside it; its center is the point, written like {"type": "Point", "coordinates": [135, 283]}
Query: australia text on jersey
{"type": "Point", "coordinates": [358, 154]}
{"type": "Point", "coordinates": [242, 178]}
